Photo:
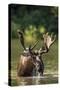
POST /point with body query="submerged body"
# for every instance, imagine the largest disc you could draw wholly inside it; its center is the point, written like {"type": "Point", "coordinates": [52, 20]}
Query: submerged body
{"type": "Point", "coordinates": [28, 65]}
{"type": "Point", "coordinates": [25, 67]}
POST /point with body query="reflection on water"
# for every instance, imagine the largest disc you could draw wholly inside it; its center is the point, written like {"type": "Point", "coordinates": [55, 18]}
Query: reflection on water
{"type": "Point", "coordinates": [46, 79]}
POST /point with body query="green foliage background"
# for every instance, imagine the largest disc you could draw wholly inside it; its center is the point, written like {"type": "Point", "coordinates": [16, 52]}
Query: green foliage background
{"type": "Point", "coordinates": [33, 20]}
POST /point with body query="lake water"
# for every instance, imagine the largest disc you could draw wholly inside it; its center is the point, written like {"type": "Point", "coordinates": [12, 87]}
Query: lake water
{"type": "Point", "coordinates": [46, 79]}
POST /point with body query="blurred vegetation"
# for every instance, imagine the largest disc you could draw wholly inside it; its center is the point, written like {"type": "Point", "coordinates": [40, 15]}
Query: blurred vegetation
{"type": "Point", "coordinates": [33, 20]}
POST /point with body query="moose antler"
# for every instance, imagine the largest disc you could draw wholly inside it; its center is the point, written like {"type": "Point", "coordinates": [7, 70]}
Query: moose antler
{"type": "Point", "coordinates": [21, 38]}
{"type": "Point", "coordinates": [34, 45]}
{"type": "Point", "coordinates": [48, 41]}
{"type": "Point", "coordinates": [22, 41]}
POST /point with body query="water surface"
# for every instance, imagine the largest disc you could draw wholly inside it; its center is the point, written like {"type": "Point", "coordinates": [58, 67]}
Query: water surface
{"type": "Point", "coordinates": [36, 80]}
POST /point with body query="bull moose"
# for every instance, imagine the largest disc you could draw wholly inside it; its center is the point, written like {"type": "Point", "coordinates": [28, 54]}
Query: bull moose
{"type": "Point", "coordinates": [31, 61]}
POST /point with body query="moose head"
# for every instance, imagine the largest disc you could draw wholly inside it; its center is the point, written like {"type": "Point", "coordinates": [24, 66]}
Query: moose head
{"type": "Point", "coordinates": [32, 60]}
